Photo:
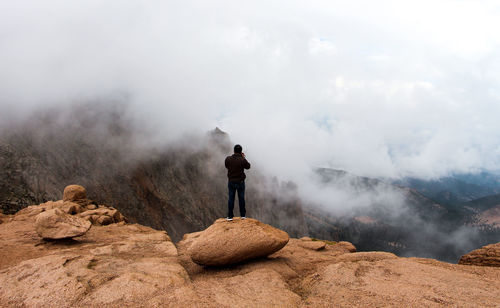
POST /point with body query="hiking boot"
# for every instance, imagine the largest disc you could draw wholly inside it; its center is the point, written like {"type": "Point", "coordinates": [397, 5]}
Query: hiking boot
{"type": "Point", "coordinates": [229, 218]}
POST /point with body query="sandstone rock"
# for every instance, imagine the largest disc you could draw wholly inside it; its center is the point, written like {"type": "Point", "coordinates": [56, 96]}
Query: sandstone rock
{"type": "Point", "coordinates": [236, 241]}
{"type": "Point", "coordinates": [370, 256]}
{"type": "Point", "coordinates": [68, 207]}
{"type": "Point", "coordinates": [91, 207]}
{"type": "Point", "coordinates": [348, 246]}
{"type": "Point", "coordinates": [102, 216]}
{"type": "Point", "coordinates": [485, 256]}
{"type": "Point", "coordinates": [131, 265]}
{"type": "Point", "coordinates": [33, 210]}
{"type": "Point", "coordinates": [313, 245]}
{"type": "Point", "coordinates": [71, 208]}
{"type": "Point", "coordinates": [112, 266]}
{"type": "Point", "coordinates": [74, 193]}
{"type": "Point", "coordinates": [55, 224]}
{"type": "Point", "coordinates": [402, 282]}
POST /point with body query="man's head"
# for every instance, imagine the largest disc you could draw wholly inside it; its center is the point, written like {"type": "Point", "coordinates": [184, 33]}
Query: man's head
{"type": "Point", "coordinates": [238, 149]}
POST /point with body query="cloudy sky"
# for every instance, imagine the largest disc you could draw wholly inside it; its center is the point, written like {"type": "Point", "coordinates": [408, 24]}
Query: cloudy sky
{"type": "Point", "coordinates": [378, 88]}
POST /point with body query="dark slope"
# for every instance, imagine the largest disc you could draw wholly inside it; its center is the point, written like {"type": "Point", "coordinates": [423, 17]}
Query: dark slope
{"type": "Point", "coordinates": [413, 225]}
{"type": "Point", "coordinates": [179, 188]}
{"type": "Point", "coordinates": [484, 204]}
{"type": "Point", "coordinates": [457, 188]}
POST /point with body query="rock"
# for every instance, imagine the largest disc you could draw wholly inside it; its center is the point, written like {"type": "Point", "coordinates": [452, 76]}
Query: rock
{"type": "Point", "coordinates": [348, 246]}
{"type": "Point", "coordinates": [129, 265]}
{"type": "Point", "coordinates": [313, 245]}
{"type": "Point", "coordinates": [112, 266]}
{"type": "Point", "coordinates": [71, 207]}
{"type": "Point", "coordinates": [56, 224]}
{"type": "Point", "coordinates": [102, 216]}
{"type": "Point", "coordinates": [401, 282]}
{"type": "Point", "coordinates": [91, 207]}
{"type": "Point", "coordinates": [232, 242]}
{"type": "Point", "coordinates": [485, 256]}
{"type": "Point", "coordinates": [370, 256]}
{"type": "Point", "coordinates": [74, 193]}
{"type": "Point", "coordinates": [67, 207]}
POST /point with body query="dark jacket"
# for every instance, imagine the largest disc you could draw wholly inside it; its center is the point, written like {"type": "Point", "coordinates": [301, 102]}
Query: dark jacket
{"type": "Point", "coordinates": [235, 165]}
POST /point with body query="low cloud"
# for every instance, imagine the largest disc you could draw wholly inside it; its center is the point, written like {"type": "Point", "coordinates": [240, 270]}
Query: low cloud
{"type": "Point", "coordinates": [379, 89]}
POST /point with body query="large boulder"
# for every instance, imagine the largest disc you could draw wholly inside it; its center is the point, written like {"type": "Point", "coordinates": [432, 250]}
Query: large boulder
{"type": "Point", "coordinates": [229, 242]}
{"type": "Point", "coordinates": [485, 256]}
{"type": "Point", "coordinates": [55, 224]}
{"type": "Point", "coordinates": [74, 193]}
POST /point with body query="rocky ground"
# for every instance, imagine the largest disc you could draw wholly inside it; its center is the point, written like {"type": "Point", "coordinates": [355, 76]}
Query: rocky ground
{"type": "Point", "coordinates": [121, 264]}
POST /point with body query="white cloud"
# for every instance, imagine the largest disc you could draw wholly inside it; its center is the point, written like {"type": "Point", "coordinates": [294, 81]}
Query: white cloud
{"type": "Point", "coordinates": [321, 46]}
{"type": "Point", "coordinates": [381, 89]}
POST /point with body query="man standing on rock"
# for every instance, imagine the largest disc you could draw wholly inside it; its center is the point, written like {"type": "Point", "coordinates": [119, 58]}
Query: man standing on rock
{"type": "Point", "coordinates": [235, 165]}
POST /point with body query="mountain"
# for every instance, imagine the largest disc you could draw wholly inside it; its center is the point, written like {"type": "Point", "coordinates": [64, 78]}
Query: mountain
{"type": "Point", "coordinates": [397, 219]}
{"type": "Point", "coordinates": [180, 188]}
{"type": "Point", "coordinates": [456, 188]}
{"type": "Point", "coordinates": [484, 204]}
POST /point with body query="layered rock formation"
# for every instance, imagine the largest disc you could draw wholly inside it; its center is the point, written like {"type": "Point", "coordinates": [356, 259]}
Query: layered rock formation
{"type": "Point", "coordinates": [129, 265]}
{"type": "Point", "coordinates": [229, 242]}
{"type": "Point", "coordinates": [485, 256]}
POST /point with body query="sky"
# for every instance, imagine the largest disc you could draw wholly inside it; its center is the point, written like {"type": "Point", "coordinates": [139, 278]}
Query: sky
{"type": "Point", "coordinates": [377, 88]}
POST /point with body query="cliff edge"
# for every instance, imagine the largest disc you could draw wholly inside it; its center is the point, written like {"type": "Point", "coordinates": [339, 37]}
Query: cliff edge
{"type": "Point", "coordinates": [121, 264]}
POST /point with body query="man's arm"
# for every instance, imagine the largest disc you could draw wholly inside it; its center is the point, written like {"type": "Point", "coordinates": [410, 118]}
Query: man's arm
{"type": "Point", "coordinates": [246, 164]}
{"type": "Point", "coordinates": [225, 163]}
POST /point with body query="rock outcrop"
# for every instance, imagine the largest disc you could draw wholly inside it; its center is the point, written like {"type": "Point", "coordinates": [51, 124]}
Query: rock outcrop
{"type": "Point", "coordinates": [103, 216]}
{"type": "Point", "coordinates": [70, 217]}
{"type": "Point", "coordinates": [113, 266]}
{"type": "Point", "coordinates": [55, 224]}
{"type": "Point", "coordinates": [308, 243]}
{"type": "Point", "coordinates": [230, 242]}
{"type": "Point", "coordinates": [129, 265]}
{"type": "Point", "coordinates": [485, 256]}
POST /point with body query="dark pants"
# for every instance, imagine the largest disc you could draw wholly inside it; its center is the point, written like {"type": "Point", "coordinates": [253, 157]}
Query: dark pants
{"type": "Point", "coordinates": [233, 187]}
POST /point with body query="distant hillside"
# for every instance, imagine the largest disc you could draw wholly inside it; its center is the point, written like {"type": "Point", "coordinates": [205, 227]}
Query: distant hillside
{"type": "Point", "coordinates": [485, 203]}
{"type": "Point", "coordinates": [414, 225]}
{"type": "Point", "coordinates": [457, 188]}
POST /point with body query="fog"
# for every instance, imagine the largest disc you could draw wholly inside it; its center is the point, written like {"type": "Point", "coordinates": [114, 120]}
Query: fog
{"type": "Point", "coordinates": [382, 90]}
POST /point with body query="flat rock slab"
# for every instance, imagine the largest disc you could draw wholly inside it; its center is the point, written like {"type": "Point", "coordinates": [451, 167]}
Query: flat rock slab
{"type": "Point", "coordinates": [230, 242]}
{"type": "Point", "coordinates": [485, 256]}
{"type": "Point", "coordinates": [55, 224]}
{"type": "Point", "coordinates": [312, 245]}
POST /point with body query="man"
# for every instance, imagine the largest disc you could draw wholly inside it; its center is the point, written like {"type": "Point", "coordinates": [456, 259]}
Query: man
{"type": "Point", "coordinates": [235, 165]}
